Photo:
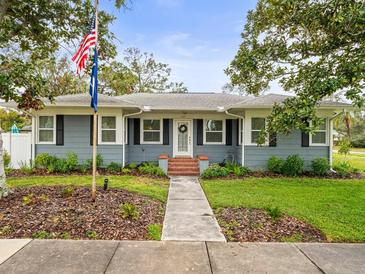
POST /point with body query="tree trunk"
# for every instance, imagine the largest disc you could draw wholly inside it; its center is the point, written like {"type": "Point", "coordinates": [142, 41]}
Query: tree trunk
{"type": "Point", "coordinates": [4, 190]}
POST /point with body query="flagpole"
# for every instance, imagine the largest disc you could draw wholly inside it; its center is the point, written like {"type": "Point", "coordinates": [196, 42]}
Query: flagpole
{"type": "Point", "coordinates": [95, 118]}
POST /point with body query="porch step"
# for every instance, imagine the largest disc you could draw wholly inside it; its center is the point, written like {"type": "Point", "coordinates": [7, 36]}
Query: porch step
{"type": "Point", "coordinates": [183, 167]}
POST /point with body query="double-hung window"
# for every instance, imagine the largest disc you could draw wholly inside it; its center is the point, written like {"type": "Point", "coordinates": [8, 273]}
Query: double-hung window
{"type": "Point", "coordinates": [46, 133]}
{"type": "Point", "coordinates": [319, 137]}
{"type": "Point", "coordinates": [257, 124]}
{"type": "Point", "coordinates": [151, 131]}
{"type": "Point", "coordinates": [108, 129]}
{"type": "Point", "coordinates": [214, 130]}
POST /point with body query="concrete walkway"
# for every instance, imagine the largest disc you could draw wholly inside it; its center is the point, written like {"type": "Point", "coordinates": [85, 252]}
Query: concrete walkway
{"type": "Point", "coordinates": [67, 256]}
{"type": "Point", "coordinates": [188, 214]}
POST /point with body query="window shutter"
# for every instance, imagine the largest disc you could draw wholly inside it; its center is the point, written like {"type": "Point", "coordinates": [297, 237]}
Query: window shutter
{"type": "Point", "coordinates": [305, 139]}
{"type": "Point", "coordinates": [137, 131]}
{"type": "Point", "coordinates": [166, 131]}
{"type": "Point", "coordinates": [272, 140]}
{"type": "Point", "coordinates": [91, 130]}
{"type": "Point", "coordinates": [59, 130]}
{"type": "Point", "coordinates": [128, 131]}
{"type": "Point", "coordinates": [200, 132]}
{"type": "Point", "coordinates": [229, 132]}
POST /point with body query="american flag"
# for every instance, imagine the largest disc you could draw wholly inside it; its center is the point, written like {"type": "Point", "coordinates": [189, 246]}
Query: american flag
{"type": "Point", "coordinates": [82, 53]}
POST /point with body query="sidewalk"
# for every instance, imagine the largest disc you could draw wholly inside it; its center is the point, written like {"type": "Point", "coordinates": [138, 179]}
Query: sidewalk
{"type": "Point", "coordinates": [67, 256]}
{"type": "Point", "coordinates": [188, 214]}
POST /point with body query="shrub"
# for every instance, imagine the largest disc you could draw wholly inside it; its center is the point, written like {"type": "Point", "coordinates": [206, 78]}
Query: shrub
{"type": "Point", "coordinates": [154, 232]}
{"type": "Point", "coordinates": [91, 234]}
{"type": "Point", "coordinates": [126, 170]}
{"type": "Point", "coordinates": [6, 159]}
{"type": "Point", "coordinates": [59, 165]}
{"type": "Point", "coordinates": [6, 230]}
{"type": "Point", "coordinates": [240, 170]}
{"type": "Point", "coordinates": [151, 169]}
{"type": "Point", "coordinates": [42, 235]}
{"type": "Point", "coordinates": [67, 192]}
{"type": "Point", "coordinates": [344, 169]}
{"type": "Point", "coordinates": [43, 160]}
{"type": "Point", "coordinates": [25, 168]}
{"type": "Point", "coordinates": [65, 235]}
{"type": "Point", "coordinates": [345, 146]}
{"type": "Point", "coordinates": [129, 211]}
{"type": "Point", "coordinates": [113, 167]}
{"type": "Point", "coordinates": [275, 164]}
{"type": "Point", "coordinates": [132, 166]}
{"type": "Point", "coordinates": [99, 161]}
{"type": "Point", "coordinates": [215, 170]}
{"type": "Point", "coordinates": [293, 166]}
{"type": "Point", "coordinates": [320, 166]}
{"type": "Point", "coordinates": [274, 212]}
{"type": "Point", "coordinates": [84, 168]}
{"type": "Point", "coordinates": [71, 161]}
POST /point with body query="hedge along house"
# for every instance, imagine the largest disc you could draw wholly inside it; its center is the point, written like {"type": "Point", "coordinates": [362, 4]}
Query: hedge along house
{"type": "Point", "coordinates": [184, 132]}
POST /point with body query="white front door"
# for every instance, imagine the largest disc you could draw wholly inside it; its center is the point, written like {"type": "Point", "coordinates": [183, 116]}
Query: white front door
{"type": "Point", "coordinates": [183, 143]}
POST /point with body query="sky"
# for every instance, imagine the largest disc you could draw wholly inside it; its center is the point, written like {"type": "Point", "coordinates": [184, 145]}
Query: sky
{"type": "Point", "coordinates": [197, 38]}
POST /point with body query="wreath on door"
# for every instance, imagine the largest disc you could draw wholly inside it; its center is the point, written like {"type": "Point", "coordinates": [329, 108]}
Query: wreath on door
{"type": "Point", "coordinates": [183, 128]}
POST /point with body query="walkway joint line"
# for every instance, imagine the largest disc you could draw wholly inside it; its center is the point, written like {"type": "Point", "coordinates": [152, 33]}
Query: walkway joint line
{"type": "Point", "coordinates": [111, 258]}
{"type": "Point", "coordinates": [209, 259]}
{"type": "Point", "coordinates": [310, 259]}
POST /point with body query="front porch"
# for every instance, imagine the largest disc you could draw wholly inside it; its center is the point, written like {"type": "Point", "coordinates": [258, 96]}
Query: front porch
{"type": "Point", "coordinates": [183, 166]}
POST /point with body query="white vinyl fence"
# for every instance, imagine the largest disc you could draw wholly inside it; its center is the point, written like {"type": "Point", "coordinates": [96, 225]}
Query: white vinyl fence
{"type": "Point", "coordinates": [19, 147]}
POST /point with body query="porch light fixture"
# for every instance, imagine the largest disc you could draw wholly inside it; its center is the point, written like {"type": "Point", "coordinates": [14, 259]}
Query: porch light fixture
{"type": "Point", "coordinates": [220, 109]}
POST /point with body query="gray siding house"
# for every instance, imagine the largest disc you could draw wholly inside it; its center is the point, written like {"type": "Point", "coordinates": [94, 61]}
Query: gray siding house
{"type": "Point", "coordinates": [142, 127]}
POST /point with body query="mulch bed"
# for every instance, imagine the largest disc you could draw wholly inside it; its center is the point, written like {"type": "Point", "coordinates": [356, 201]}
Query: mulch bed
{"type": "Point", "coordinates": [255, 225]}
{"type": "Point", "coordinates": [101, 171]}
{"type": "Point", "coordinates": [76, 216]}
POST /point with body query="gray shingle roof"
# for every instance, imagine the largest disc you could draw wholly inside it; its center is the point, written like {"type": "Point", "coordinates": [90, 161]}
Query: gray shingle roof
{"type": "Point", "coordinates": [177, 101]}
{"type": "Point", "coordinates": [185, 101]}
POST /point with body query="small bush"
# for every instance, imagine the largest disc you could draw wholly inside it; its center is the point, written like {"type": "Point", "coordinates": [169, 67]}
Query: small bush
{"type": "Point", "coordinates": [6, 158]}
{"type": "Point", "coordinates": [91, 234]}
{"type": "Point", "coordinates": [320, 166]}
{"type": "Point", "coordinates": [240, 171]}
{"type": "Point", "coordinates": [25, 168]}
{"type": "Point", "coordinates": [71, 161]}
{"type": "Point", "coordinates": [293, 166]}
{"type": "Point", "coordinates": [214, 171]}
{"type": "Point", "coordinates": [99, 161]}
{"type": "Point", "coordinates": [59, 165]}
{"type": "Point", "coordinates": [274, 212]}
{"type": "Point", "coordinates": [126, 170]}
{"type": "Point", "coordinates": [275, 164]}
{"type": "Point", "coordinates": [154, 232]}
{"type": "Point", "coordinates": [344, 169]}
{"type": "Point", "coordinates": [42, 235]}
{"type": "Point", "coordinates": [345, 146]}
{"type": "Point", "coordinates": [84, 168]}
{"type": "Point", "coordinates": [129, 211]}
{"type": "Point", "coordinates": [43, 160]}
{"type": "Point", "coordinates": [151, 169]}
{"type": "Point", "coordinates": [65, 235]}
{"type": "Point", "coordinates": [132, 166]}
{"type": "Point", "coordinates": [44, 198]}
{"type": "Point", "coordinates": [113, 167]}
{"type": "Point", "coordinates": [67, 192]}
{"type": "Point", "coordinates": [6, 230]}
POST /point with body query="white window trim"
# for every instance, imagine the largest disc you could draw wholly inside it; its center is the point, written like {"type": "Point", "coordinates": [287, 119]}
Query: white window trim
{"type": "Point", "coordinates": [223, 132]}
{"type": "Point", "coordinates": [326, 143]}
{"type": "Point", "coordinates": [54, 130]}
{"type": "Point", "coordinates": [100, 130]}
{"type": "Point", "coordinates": [142, 132]}
{"type": "Point", "coordinates": [126, 125]}
{"type": "Point", "coordinates": [250, 132]}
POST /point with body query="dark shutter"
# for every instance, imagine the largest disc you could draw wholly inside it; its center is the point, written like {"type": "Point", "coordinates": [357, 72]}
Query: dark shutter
{"type": "Point", "coordinates": [272, 140]}
{"type": "Point", "coordinates": [59, 130]}
{"type": "Point", "coordinates": [137, 131]}
{"type": "Point", "coordinates": [229, 132]}
{"type": "Point", "coordinates": [91, 130]}
{"type": "Point", "coordinates": [166, 131]}
{"type": "Point", "coordinates": [305, 139]}
{"type": "Point", "coordinates": [199, 132]}
{"type": "Point", "coordinates": [238, 132]}
{"type": "Point", "coordinates": [128, 131]}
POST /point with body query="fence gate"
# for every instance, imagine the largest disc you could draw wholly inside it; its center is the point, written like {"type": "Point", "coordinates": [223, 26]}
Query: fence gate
{"type": "Point", "coordinates": [19, 147]}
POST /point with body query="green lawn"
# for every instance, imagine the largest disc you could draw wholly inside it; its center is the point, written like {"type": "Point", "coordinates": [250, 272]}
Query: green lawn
{"type": "Point", "coordinates": [337, 207]}
{"type": "Point", "coordinates": [353, 149]}
{"type": "Point", "coordinates": [155, 188]}
{"type": "Point", "coordinates": [356, 160]}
